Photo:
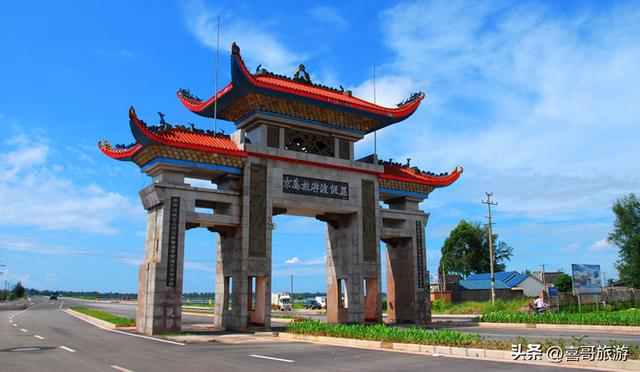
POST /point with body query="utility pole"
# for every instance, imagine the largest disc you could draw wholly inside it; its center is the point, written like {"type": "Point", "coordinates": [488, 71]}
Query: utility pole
{"type": "Point", "coordinates": [544, 284]}
{"type": "Point", "coordinates": [444, 279]}
{"type": "Point", "coordinates": [215, 103]}
{"type": "Point", "coordinates": [375, 139]}
{"type": "Point", "coordinates": [292, 288]}
{"type": "Point", "coordinates": [489, 203]}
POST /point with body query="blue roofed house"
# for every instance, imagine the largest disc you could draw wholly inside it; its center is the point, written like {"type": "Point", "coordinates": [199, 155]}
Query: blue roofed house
{"type": "Point", "coordinates": [530, 285]}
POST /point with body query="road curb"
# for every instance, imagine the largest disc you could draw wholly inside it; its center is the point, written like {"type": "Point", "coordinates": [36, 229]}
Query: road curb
{"type": "Point", "coordinates": [458, 352]}
{"type": "Point", "coordinates": [90, 319]}
{"type": "Point", "coordinates": [564, 327]}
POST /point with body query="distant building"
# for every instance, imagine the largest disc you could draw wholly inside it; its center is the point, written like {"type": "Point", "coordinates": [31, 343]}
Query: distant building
{"type": "Point", "coordinates": [549, 277]}
{"type": "Point", "coordinates": [530, 285]}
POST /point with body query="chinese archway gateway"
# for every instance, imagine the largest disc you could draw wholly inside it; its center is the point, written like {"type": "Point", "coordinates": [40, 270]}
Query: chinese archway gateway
{"type": "Point", "coordinates": [291, 153]}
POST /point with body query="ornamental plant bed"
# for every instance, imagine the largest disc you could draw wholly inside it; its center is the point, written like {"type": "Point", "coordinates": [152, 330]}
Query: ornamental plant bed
{"type": "Point", "coordinates": [610, 318]}
{"type": "Point", "coordinates": [381, 332]}
{"type": "Point", "coordinates": [416, 335]}
{"type": "Point", "coordinates": [103, 315]}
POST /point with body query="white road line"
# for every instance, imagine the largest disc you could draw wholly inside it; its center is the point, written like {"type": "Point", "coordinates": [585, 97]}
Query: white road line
{"type": "Point", "coordinates": [23, 330]}
{"type": "Point", "coordinates": [120, 368]}
{"type": "Point", "coordinates": [15, 325]}
{"type": "Point", "coordinates": [39, 337]}
{"type": "Point", "coordinates": [127, 333]}
{"type": "Point", "coordinates": [271, 358]}
{"type": "Point", "coordinates": [67, 349]}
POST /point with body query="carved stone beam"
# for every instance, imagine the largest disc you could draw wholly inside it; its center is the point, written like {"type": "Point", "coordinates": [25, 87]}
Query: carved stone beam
{"type": "Point", "coordinates": [276, 211]}
{"type": "Point", "coordinates": [336, 221]}
{"type": "Point", "coordinates": [224, 231]}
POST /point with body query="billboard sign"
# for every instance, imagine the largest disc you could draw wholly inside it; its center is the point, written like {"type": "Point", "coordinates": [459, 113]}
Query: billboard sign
{"type": "Point", "coordinates": [586, 279]}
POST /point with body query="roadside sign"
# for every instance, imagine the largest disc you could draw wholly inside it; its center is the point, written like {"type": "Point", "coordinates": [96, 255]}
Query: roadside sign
{"type": "Point", "coordinates": [586, 279]}
{"type": "Point", "coordinates": [553, 292]}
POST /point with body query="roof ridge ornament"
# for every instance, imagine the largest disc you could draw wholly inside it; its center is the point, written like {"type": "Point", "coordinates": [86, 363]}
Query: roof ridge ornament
{"type": "Point", "coordinates": [414, 96]}
{"type": "Point", "coordinates": [306, 78]}
{"type": "Point", "coordinates": [235, 49]}
{"type": "Point", "coordinates": [188, 95]}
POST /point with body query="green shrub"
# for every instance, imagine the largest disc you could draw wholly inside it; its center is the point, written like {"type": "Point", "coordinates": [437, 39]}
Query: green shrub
{"type": "Point", "coordinates": [438, 305]}
{"type": "Point", "coordinates": [381, 332]}
{"type": "Point", "coordinates": [614, 318]}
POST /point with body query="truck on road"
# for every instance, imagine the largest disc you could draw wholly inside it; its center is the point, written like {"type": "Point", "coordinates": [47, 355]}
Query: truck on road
{"type": "Point", "coordinates": [281, 301]}
{"type": "Point", "coordinates": [322, 300]}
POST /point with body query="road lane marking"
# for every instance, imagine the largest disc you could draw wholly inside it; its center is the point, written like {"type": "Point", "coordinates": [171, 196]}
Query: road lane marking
{"type": "Point", "coordinates": [15, 325]}
{"type": "Point", "coordinates": [67, 349]}
{"type": "Point", "coordinates": [126, 333]}
{"type": "Point", "coordinates": [23, 330]}
{"type": "Point", "coordinates": [121, 369]}
{"type": "Point", "coordinates": [39, 337]}
{"type": "Point", "coordinates": [271, 358]}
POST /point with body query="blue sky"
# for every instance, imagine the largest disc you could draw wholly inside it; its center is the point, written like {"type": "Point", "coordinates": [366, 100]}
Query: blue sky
{"type": "Point", "coordinates": [537, 101]}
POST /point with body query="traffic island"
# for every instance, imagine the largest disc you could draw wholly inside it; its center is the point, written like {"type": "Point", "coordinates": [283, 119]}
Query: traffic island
{"type": "Point", "coordinates": [440, 343]}
{"type": "Point", "coordinates": [101, 318]}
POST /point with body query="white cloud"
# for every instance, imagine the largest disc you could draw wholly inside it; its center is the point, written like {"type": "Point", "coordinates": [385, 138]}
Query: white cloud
{"type": "Point", "coordinates": [26, 246]}
{"type": "Point", "coordinates": [329, 15]}
{"type": "Point", "coordinates": [200, 266]}
{"type": "Point", "coordinates": [538, 108]}
{"type": "Point", "coordinates": [600, 245]}
{"type": "Point", "coordinates": [51, 278]}
{"type": "Point", "coordinates": [34, 191]}
{"type": "Point", "coordinates": [262, 46]}
{"type": "Point", "coordinates": [292, 261]}
{"type": "Point", "coordinates": [573, 247]}
{"type": "Point", "coordinates": [132, 261]}
{"type": "Point", "coordinates": [311, 262]}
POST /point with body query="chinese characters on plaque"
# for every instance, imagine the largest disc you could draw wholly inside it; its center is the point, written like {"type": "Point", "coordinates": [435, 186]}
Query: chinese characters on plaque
{"type": "Point", "coordinates": [172, 251]}
{"type": "Point", "coordinates": [419, 256]}
{"type": "Point", "coordinates": [315, 187]}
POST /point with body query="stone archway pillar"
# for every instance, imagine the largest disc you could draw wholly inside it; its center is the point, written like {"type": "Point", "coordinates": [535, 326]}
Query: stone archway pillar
{"type": "Point", "coordinates": [407, 278]}
{"type": "Point", "coordinates": [231, 300]}
{"type": "Point", "coordinates": [345, 292]}
{"type": "Point", "coordinates": [160, 283]}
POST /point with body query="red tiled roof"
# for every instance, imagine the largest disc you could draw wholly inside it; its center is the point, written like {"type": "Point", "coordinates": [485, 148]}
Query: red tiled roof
{"type": "Point", "coordinates": [116, 153]}
{"type": "Point", "coordinates": [399, 173]}
{"type": "Point", "coordinates": [183, 136]}
{"type": "Point", "coordinates": [331, 96]}
{"type": "Point", "coordinates": [314, 92]}
{"type": "Point", "coordinates": [187, 139]}
{"type": "Point", "coordinates": [195, 105]}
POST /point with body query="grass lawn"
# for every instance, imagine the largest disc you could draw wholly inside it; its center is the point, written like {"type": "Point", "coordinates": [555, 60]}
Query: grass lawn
{"type": "Point", "coordinates": [611, 318]}
{"type": "Point", "coordinates": [103, 315]}
{"type": "Point", "coordinates": [199, 305]}
{"type": "Point", "coordinates": [475, 307]}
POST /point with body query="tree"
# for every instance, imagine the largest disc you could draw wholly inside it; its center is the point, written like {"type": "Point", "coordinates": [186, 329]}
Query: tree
{"type": "Point", "coordinates": [466, 250]}
{"type": "Point", "coordinates": [18, 291]}
{"type": "Point", "coordinates": [563, 283]}
{"type": "Point", "coordinates": [626, 236]}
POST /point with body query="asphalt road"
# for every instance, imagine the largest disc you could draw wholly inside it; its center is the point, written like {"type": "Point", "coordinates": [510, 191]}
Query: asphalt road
{"type": "Point", "coordinates": [493, 334]}
{"type": "Point", "coordinates": [45, 338]}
